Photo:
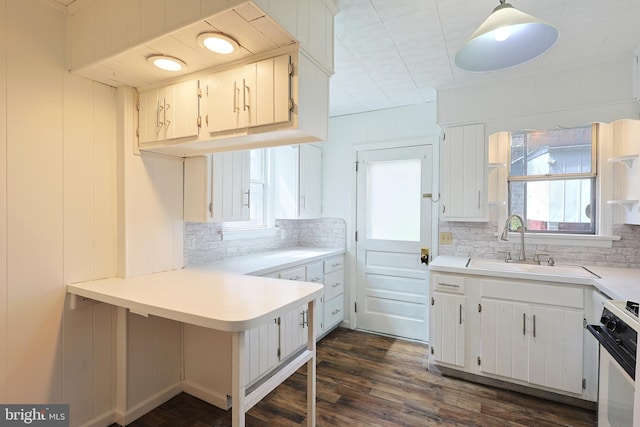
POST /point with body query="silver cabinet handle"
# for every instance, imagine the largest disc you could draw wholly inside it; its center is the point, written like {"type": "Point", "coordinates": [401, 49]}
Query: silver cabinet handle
{"type": "Point", "coordinates": [235, 97]}
{"type": "Point", "coordinates": [447, 285]}
{"type": "Point", "coordinates": [245, 88]}
{"type": "Point", "coordinates": [335, 312]}
{"type": "Point", "coordinates": [248, 193]}
{"type": "Point", "coordinates": [335, 285]}
{"type": "Point", "coordinates": [460, 316]}
{"type": "Point", "coordinates": [158, 110]}
{"type": "Point", "coordinates": [524, 323]}
{"type": "Point", "coordinates": [534, 325]}
{"type": "Point", "coordinates": [166, 107]}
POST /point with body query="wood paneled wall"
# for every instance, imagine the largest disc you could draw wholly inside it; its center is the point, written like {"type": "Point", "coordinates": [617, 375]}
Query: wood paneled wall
{"type": "Point", "coordinates": [64, 164]}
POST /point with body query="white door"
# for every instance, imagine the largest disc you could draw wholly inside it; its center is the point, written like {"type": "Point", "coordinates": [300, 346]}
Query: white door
{"type": "Point", "coordinates": [393, 224]}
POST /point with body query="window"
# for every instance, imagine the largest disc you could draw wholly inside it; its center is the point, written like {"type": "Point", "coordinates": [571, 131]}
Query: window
{"type": "Point", "coordinates": [552, 179]}
{"type": "Point", "coordinates": [259, 183]}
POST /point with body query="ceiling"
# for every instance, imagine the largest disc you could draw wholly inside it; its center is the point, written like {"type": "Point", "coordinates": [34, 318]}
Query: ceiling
{"type": "Point", "coordinates": [391, 53]}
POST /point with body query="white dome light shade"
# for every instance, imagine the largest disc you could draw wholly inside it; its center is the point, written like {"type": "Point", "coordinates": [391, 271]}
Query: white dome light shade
{"type": "Point", "coordinates": [218, 43]}
{"type": "Point", "coordinates": [507, 38]}
{"type": "Point", "coordinates": [167, 63]}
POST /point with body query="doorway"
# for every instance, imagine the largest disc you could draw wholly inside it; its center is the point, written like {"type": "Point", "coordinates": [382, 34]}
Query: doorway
{"type": "Point", "coordinates": [393, 222]}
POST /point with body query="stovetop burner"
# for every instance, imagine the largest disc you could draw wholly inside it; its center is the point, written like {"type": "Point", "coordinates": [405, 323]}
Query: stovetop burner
{"type": "Point", "coordinates": [632, 307]}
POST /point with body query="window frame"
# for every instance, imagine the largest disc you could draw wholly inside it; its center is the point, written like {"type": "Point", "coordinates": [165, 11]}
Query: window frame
{"type": "Point", "coordinates": [592, 175]}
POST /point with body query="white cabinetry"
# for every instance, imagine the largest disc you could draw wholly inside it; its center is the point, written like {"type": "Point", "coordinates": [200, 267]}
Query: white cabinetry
{"type": "Point", "coordinates": [533, 333]}
{"type": "Point", "coordinates": [524, 332]}
{"type": "Point", "coordinates": [169, 112]}
{"type": "Point", "coordinates": [463, 185]}
{"type": "Point", "coordinates": [275, 101]}
{"type": "Point", "coordinates": [217, 187]}
{"type": "Point", "coordinates": [333, 292]}
{"type": "Point", "coordinates": [626, 168]}
{"type": "Point", "coordinates": [449, 320]}
{"type": "Point", "coordinates": [255, 94]}
{"type": "Point", "coordinates": [298, 181]}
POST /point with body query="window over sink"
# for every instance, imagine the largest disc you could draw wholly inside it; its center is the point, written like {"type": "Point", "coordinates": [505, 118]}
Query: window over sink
{"type": "Point", "coordinates": [552, 179]}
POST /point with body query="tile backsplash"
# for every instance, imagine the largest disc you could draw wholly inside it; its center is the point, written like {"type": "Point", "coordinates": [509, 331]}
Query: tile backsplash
{"type": "Point", "coordinates": [477, 240]}
{"type": "Point", "coordinates": [204, 242]}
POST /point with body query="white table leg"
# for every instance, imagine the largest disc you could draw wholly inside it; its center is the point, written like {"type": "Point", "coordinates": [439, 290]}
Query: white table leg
{"type": "Point", "coordinates": [238, 363]}
{"type": "Point", "coordinates": [311, 366]}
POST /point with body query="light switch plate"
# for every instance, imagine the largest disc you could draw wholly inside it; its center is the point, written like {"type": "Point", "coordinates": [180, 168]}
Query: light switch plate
{"type": "Point", "coordinates": [446, 238]}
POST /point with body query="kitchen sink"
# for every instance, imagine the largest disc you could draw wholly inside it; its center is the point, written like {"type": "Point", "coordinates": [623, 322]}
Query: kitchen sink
{"type": "Point", "coordinates": [554, 270]}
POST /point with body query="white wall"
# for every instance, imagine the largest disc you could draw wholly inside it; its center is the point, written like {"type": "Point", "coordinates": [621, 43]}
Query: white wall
{"type": "Point", "coordinates": [62, 219]}
{"type": "Point", "coordinates": [356, 132]}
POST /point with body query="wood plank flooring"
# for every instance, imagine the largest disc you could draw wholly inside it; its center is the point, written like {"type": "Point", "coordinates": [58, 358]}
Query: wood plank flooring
{"type": "Point", "coordinates": [369, 380]}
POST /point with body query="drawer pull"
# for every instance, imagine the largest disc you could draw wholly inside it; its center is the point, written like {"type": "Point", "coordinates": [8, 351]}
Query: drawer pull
{"type": "Point", "coordinates": [334, 312]}
{"type": "Point", "coordinates": [335, 285]}
{"type": "Point", "coordinates": [448, 285]}
{"type": "Point", "coordinates": [337, 264]}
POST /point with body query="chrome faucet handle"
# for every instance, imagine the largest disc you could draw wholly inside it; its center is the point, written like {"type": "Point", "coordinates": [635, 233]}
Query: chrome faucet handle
{"type": "Point", "coordinates": [507, 255]}
{"type": "Point", "coordinates": [536, 258]}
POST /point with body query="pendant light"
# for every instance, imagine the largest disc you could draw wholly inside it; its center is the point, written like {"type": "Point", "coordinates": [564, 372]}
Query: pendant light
{"type": "Point", "coordinates": [507, 38]}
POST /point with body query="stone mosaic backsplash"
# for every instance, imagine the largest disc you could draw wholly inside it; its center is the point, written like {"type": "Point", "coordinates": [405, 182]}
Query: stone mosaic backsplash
{"type": "Point", "coordinates": [205, 242]}
{"type": "Point", "coordinates": [477, 240]}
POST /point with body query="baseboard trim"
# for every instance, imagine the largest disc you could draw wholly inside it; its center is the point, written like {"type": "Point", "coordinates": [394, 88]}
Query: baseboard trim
{"type": "Point", "coordinates": [219, 400]}
{"type": "Point", "coordinates": [105, 419]}
{"type": "Point", "coordinates": [149, 404]}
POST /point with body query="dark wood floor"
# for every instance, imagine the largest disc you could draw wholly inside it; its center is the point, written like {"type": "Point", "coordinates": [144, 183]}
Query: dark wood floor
{"type": "Point", "coordinates": [368, 380]}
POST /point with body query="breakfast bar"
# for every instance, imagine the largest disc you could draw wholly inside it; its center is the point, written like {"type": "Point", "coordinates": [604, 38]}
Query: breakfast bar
{"type": "Point", "coordinates": [221, 301]}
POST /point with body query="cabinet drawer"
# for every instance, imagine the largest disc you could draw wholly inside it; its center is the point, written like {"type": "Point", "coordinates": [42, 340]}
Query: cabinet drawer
{"type": "Point", "coordinates": [333, 264]}
{"type": "Point", "coordinates": [315, 272]}
{"type": "Point", "coordinates": [533, 293]}
{"type": "Point", "coordinates": [333, 311]}
{"type": "Point", "coordinates": [298, 273]}
{"type": "Point", "coordinates": [445, 283]}
{"type": "Point", "coordinates": [333, 284]}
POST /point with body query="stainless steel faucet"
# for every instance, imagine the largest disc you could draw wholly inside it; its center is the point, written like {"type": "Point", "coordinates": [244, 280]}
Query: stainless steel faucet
{"type": "Point", "coordinates": [505, 235]}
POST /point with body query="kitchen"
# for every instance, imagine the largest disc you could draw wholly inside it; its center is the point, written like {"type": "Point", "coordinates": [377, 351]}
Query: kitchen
{"type": "Point", "coordinates": [51, 169]}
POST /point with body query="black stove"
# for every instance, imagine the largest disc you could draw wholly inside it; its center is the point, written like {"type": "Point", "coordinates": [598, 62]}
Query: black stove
{"type": "Point", "coordinates": [617, 333]}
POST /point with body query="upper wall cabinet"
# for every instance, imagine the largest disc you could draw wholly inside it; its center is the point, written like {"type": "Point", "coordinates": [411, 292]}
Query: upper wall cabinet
{"type": "Point", "coordinates": [464, 174]}
{"type": "Point", "coordinates": [275, 101]}
{"type": "Point", "coordinates": [217, 187]}
{"type": "Point", "coordinates": [169, 112]}
{"type": "Point", "coordinates": [255, 94]}
{"type": "Point", "coordinates": [297, 181]}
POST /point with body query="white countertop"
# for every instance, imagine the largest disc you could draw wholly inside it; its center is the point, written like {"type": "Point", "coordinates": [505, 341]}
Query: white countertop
{"type": "Point", "coordinates": [263, 263]}
{"type": "Point", "coordinates": [617, 283]}
{"type": "Point", "coordinates": [223, 295]}
{"type": "Point", "coordinates": [217, 300]}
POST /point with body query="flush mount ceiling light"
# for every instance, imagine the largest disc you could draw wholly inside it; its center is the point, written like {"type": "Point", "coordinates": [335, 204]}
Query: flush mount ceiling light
{"type": "Point", "coordinates": [167, 63]}
{"type": "Point", "coordinates": [505, 39]}
{"type": "Point", "coordinates": [218, 43]}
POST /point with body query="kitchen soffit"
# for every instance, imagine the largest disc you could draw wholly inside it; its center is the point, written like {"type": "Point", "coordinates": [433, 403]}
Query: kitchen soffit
{"type": "Point", "coordinates": [255, 32]}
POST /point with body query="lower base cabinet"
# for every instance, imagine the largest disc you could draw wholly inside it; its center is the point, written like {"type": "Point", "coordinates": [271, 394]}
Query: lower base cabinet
{"type": "Point", "coordinates": [525, 332]}
{"type": "Point", "coordinates": [207, 355]}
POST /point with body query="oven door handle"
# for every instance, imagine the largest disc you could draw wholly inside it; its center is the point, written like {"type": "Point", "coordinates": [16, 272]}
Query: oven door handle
{"type": "Point", "coordinates": [613, 350]}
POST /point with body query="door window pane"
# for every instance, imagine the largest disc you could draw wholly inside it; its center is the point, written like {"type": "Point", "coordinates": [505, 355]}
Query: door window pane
{"type": "Point", "coordinates": [393, 200]}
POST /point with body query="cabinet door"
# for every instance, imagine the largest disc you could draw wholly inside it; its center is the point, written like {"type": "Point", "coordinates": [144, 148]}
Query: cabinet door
{"type": "Point", "coordinates": [310, 181]}
{"type": "Point", "coordinates": [294, 325]}
{"type": "Point", "coordinates": [181, 104]}
{"type": "Point", "coordinates": [262, 350]}
{"type": "Point", "coordinates": [555, 350]}
{"type": "Point", "coordinates": [285, 186]}
{"type": "Point", "coordinates": [504, 339]}
{"type": "Point", "coordinates": [449, 324]}
{"type": "Point", "coordinates": [273, 92]}
{"type": "Point", "coordinates": [231, 197]}
{"type": "Point", "coordinates": [464, 174]}
{"type": "Point", "coordinates": [224, 101]}
{"type": "Point", "coordinates": [150, 116]}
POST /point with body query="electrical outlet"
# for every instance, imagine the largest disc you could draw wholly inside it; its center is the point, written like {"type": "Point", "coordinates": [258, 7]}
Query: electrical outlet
{"type": "Point", "coordinates": [446, 238]}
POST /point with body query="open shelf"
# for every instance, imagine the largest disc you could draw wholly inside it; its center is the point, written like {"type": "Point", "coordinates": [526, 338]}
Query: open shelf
{"type": "Point", "coordinates": [627, 204]}
{"type": "Point", "coordinates": [625, 160]}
